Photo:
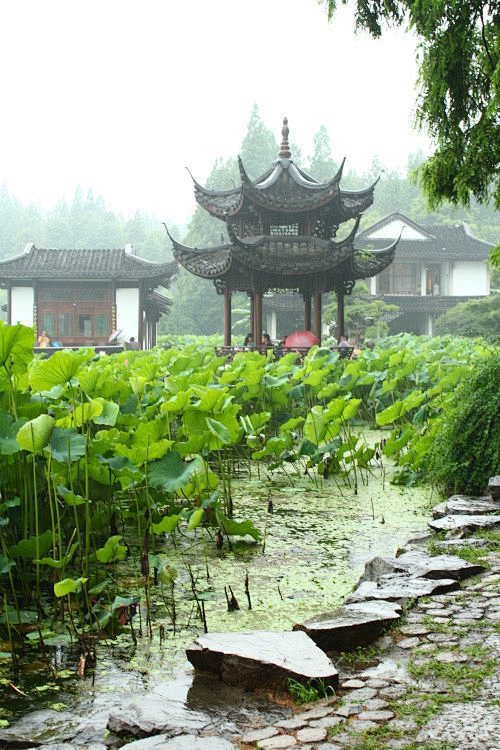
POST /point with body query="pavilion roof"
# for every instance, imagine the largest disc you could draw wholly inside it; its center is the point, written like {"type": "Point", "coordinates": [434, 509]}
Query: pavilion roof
{"type": "Point", "coordinates": [81, 265]}
{"type": "Point", "coordinates": [289, 262]}
{"type": "Point", "coordinates": [284, 189]}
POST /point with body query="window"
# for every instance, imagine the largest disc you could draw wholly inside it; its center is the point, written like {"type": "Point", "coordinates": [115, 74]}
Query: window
{"type": "Point", "coordinates": [101, 325]}
{"type": "Point", "coordinates": [85, 325]}
{"type": "Point", "coordinates": [280, 230]}
{"type": "Point", "coordinates": [65, 324]}
{"type": "Point", "coordinates": [48, 323]}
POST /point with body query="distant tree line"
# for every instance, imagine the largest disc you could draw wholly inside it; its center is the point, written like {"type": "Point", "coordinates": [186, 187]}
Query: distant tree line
{"type": "Point", "coordinates": [86, 222]}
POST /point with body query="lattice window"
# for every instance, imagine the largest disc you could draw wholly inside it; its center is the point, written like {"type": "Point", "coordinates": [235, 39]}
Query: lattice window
{"type": "Point", "coordinates": [280, 230]}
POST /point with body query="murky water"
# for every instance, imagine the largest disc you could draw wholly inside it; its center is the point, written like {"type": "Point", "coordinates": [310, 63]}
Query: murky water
{"type": "Point", "coordinates": [317, 540]}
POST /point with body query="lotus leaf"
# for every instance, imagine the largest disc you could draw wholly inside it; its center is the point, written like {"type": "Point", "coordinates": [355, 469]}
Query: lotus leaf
{"type": "Point", "coordinates": [58, 369]}
{"type": "Point", "coordinates": [171, 473]}
{"type": "Point", "coordinates": [8, 434]}
{"type": "Point", "coordinates": [167, 524]}
{"type": "Point", "coordinates": [35, 434]}
{"type": "Point", "coordinates": [67, 445]}
{"type": "Point", "coordinates": [68, 586]}
{"type": "Point", "coordinates": [112, 550]}
{"type": "Point", "coordinates": [196, 519]}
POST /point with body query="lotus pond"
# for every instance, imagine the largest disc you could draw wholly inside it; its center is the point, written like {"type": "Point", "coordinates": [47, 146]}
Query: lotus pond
{"type": "Point", "coordinates": [150, 495]}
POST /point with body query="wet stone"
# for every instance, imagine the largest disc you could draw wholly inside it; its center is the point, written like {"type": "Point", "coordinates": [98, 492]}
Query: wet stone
{"type": "Point", "coordinates": [462, 522]}
{"type": "Point", "coordinates": [312, 734]}
{"type": "Point", "coordinates": [463, 504]}
{"type": "Point", "coordinates": [291, 724]}
{"type": "Point", "coordinates": [349, 710]}
{"type": "Point", "coordinates": [407, 643]}
{"type": "Point", "coordinates": [441, 637]}
{"type": "Point", "coordinates": [393, 693]}
{"type": "Point", "coordinates": [183, 742]}
{"type": "Point", "coordinates": [468, 726]}
{"type": "Point", "coordinates": [414, 630]}
{"type": "Point", "coordinates": [352, 684]}
{"type": "Point", "coordinates": [276, 743]}
{"type": "Point", "coordinates": [376, 704]}
{"type": "Point", "coordinates": [362, 726]}
{"type": "Point", "coordinates": [401, 587]}
{"type": "Point", "coordinates": [259, 734]}
{"type": "Point", "coordinates": [350, 626]}
{"type": "Point", "coordinates": [376, 716]}
{"type": "Point", "coordinates": [363, 694]}
{"type": "Point", "coordinates": [449, 657]}
{"type": "Point", "coordinates": [261, 658]}
{"type": "Point", "coordinates": [404, 725]}
{"type": "Point", "coordinates": [373, 682]}
{"type": "Point", "coordinates": [420, 564]}
{"type": "Point", "coordinates": [327, 722]}
{"type": "Point", "coordinates": [315, 713]}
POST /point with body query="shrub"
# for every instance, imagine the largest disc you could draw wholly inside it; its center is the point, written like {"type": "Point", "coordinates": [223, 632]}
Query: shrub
{"type": "Point", "coordinates": [466, 451]}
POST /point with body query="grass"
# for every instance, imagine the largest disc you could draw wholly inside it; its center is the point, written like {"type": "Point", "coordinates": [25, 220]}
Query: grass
{"type": "Point", "coordinates": [311, 691]}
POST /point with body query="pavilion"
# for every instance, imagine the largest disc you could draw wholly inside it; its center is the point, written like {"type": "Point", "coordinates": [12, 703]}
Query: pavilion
{"type": "Point", "coordinates": [281, 231]}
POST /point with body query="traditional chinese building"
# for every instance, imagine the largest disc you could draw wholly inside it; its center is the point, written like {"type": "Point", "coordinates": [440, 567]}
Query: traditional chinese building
{"type": "Point", "coordinates": [83, 297]}
{"type": "Point", "coordinates": [435, 268]}
{"type": "Point", "coordinates": [282, 230]}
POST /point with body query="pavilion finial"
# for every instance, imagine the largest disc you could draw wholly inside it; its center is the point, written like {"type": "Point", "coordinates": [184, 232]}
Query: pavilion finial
{"type": "Point", "coordinates": [285, 152]}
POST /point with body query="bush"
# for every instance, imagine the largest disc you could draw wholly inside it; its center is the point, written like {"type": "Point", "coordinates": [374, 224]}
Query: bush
{"type": "Point", "coordinates": [466, 451]}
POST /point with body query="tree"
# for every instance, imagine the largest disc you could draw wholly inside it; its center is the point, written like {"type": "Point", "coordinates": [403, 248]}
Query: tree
{"type": "Point", "coordinates": [259, 148]}
{"type": "Point", "coordinates": [321, 164]}
{"type": "Point", "coordinates": [364, 317]}
{"type": "Point", "coordinates": [459, 90]}
{"type": "Point", "coordinates": [477, 317]}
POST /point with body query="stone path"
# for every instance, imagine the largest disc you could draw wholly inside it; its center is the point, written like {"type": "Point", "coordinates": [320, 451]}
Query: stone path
{"type": "Point", "coordinates": [436, 684]}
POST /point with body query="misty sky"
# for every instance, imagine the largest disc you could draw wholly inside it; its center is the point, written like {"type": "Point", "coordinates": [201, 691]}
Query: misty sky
{"type": "Point", "coordinates": [122, 95]}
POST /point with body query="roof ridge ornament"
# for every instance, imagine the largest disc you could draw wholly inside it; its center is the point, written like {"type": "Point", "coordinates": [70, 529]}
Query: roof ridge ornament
{"type": "Point", "coordinates": [285, 152]}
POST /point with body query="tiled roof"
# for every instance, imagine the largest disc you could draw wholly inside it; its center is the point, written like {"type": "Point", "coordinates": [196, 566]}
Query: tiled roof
{"type": "Point", "coordinates": [442, 242]}
{"type": "Point", "coordinates": [118, 265]}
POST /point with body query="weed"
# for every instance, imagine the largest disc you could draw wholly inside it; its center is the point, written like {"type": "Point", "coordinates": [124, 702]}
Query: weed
{"type": "Point", "coordinates": [312, 690]}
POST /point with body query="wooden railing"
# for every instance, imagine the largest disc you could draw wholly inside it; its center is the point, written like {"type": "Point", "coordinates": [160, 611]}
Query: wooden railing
{"type": "Point", "coordinates": [345, 352]}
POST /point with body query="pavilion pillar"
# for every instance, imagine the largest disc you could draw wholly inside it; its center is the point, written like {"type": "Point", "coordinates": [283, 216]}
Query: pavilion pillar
{"type": "Point", "coordinates": [340, 313]}
{"type": "Point", "coordinates": [317, 315]}
{"type": "Point", "coordinates": [257, 313]}
{"type": "Point", "coordinates": [252, 312]}
{"type": "Point", "coordinates": [307, 311]}
{"type": "Point", "coordinates": [227, 316]}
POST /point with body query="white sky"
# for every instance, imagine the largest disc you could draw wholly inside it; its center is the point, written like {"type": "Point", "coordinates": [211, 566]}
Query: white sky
{"type": "Point", "coordinates": [121, 95]}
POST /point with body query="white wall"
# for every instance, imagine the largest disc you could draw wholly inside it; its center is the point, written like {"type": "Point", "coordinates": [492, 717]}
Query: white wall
{"type": "Point", "coordinates": [469, 277]}
{"type": "Point", "coordinates": [127, 313]}
{"type": "Point", "coordinates": [22, 301]}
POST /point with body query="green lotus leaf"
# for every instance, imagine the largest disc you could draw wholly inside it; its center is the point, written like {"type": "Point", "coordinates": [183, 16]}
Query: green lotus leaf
{"type": "Point", "coordinates": [351, 408]}
{"type": "Point", "coordinates": [108, 414]}
{"type": "Point", "coordinates": [238, 528]}
{"type": "Point", "coordinates": [67, 445]}
{"type": "Point", "coordinates": [35, 434]}
{"type": "Point", "coordinates": [196, 519]}
{"type": "Point", "coordinates": [171, 473]}
{"type": "Point", "coordinates": [167, 524]}
{"type": "Point", "coordinates": [68, 586]}
{"type": "Point", "coordinates": [219, 430]}
{"type": "Point", "coordinates": [8, 434]}
{"type": "Point", "coordinates": [16, 348]}
{"type": "Point", "coordinates": [315, 427]}
{"type": "Point", "coordinates": [112, 550]}
{"type": "Point", "coordinates": [27, 548]}
{"type": "Point", "coordinates": [391, 414]}
{"type": "Point", "coordinates": [58, 369]}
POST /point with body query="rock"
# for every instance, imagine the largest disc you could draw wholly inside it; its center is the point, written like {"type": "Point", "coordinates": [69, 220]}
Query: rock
{"type": "Point", "coordinates": [408, 643]}
{"type": "Point", "coordinates": [375, 716]}
{"type": "Point", "coordinates": [42, 727]}
{"type": "Point", "coordinates": [363, 694]}
{"type": "Point", "coordinates": [183, 742]}
{"type": "Point", "coordinates": [276, 743]}
{"type": "Point", "coordinates": [312, 734]}
{"type": "Point", "coordinates": [351, 684]}
{"type": "Point", "coordinates": [465, 505]}
{"type": "Point", "coordinates": [494, 487]}
{"type": "Point", "coordinates": [452, 544]}
{"type": "Point", "coordinates": [259, 734]}
{"type": "Point", "coordinates": [350, 626]}
{"type": "Point", "coordinates": [261, 658]}
{"type": "Point", "coordinates": [400, 588]}
{"type": "Point", "coordinates": [315, 713]}
{"type": "Point", "coordinates": [459, 522]}
{"type": "Point", "coordinates": [420, 564]}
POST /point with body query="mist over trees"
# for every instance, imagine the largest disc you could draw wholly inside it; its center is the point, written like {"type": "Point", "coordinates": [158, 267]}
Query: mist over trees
{"type": "Point", "coordinates": [86, 223]}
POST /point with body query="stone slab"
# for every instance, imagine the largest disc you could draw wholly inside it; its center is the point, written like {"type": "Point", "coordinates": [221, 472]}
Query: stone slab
{"type": "Point", "coordinates": [401, 588]}
{"type": "Point", "coordinates": [351, 626]}
{"type": "Point", "coordinates": [461, 522]}
{"type": "Point", "coordinates": [465, 505]}
{"type": "Point", "coordinates": [184, 742]}
{"type": "Point", "coordinates": [422, 565]}
{"type": "Point", "coordinates": [261, 658]}
{"type": "Point", "coordinates": [494, 487]}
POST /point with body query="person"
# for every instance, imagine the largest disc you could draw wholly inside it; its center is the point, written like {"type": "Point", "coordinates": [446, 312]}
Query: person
{"type": "Point", "coordinates": [43, 339]}
{"type": "Point", "coordinates": [266, 340]}
{"type": "Point", "coordinates": [248, 342]}
{"type": "Point", "coordinates": [343, 343]}
{"type": "Point", "coordinates": [133, 344]}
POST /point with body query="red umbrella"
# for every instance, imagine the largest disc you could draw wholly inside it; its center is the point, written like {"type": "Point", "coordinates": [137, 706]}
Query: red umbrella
{"type": "Point", "coordinates": [302, 339]}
